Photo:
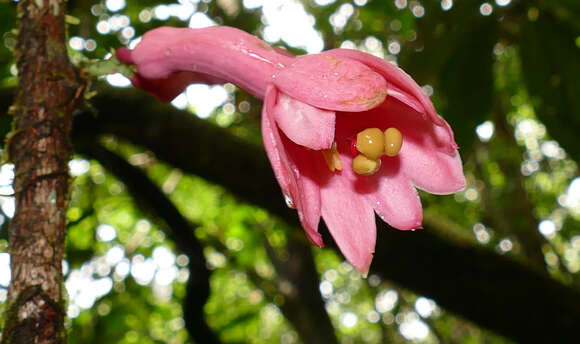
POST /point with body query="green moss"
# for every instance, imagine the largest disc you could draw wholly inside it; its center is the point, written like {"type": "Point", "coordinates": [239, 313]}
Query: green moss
{"type": "Point", "coordinates": [13, 328]}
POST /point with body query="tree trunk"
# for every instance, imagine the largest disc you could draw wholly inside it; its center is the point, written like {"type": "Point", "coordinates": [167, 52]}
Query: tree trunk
{"type": "Point", "coordinates": [39, 147]}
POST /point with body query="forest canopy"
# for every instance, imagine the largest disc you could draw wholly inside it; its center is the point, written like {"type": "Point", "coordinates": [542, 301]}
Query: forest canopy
{"type": "Point", "coordinates": [177, 231]}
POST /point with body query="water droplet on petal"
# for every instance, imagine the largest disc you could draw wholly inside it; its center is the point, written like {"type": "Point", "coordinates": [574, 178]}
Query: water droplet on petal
{"type": "Point", "coordinates": [289, 201]}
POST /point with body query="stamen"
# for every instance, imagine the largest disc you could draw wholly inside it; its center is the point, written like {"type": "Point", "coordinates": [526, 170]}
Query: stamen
{"type": "Point", "coordinates": [363, 165]}
{"type": "Point", "coordinates": [371, 143]}
{"type": "Point", "coordinates": [332, 158]}
{"type": "Point", "coordinates": [393, 141]}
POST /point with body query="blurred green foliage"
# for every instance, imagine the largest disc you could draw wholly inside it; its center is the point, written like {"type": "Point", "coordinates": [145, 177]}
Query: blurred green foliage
{"type": "Point", "coordinates": [514, 71]}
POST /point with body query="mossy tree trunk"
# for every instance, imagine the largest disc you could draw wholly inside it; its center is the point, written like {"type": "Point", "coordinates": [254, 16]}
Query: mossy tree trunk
{"type": "Point", "coordinates": [39, 148]}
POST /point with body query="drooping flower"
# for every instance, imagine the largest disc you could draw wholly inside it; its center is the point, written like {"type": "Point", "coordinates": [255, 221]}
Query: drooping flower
{"type": "Point", "coordinates": [347, 134]}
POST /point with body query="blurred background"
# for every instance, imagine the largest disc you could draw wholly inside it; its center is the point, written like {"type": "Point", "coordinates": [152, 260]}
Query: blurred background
{"type": "Point", "coordinates": [178, 232]}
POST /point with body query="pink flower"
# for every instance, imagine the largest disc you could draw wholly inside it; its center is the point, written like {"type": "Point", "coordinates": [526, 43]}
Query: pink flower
{"type": "Point", "coordinates": [315, 106]}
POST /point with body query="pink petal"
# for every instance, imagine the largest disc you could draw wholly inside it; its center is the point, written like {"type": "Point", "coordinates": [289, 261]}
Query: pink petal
{"type": "Point", "coordinates": [309, 213]}
{"type": "Point", "coordinates": [388, 192]}
{"type": "Point", "coordinates": [220, 51]}
{"type": "Point", "coordinates": [393, 197]}
{"type": "Point", "coordinates": [425, 158]}
{"type": "Point", "coordinates": [309, 207]}
{"type": "Point", "coordinates": [300, 190]}
{"type": "Point", "coordinates": [332, 83]}
{"type": "Point", "coordinates": [167, 89]}
{"type": "Point", "coordinates": [432, 171]}
{"type": "Point", "coordinates": [350, 220]}
{"type": "Point", "coordinates": [445, 135]}
{"type": "Point", "coordinates": [423, 161]}
{"type": "Point", "coordinates": [395, 76]}
{"type": "Point", "coordinates": [124, 55]}
{"type": "Point", "coordinates": [274, 147]}
{"type": "Point", "coordinates": [405, 98]}
{"type": "Point", "coordinates": [304, 124]}
{"type": "Point", "coordinates": [428, 156]}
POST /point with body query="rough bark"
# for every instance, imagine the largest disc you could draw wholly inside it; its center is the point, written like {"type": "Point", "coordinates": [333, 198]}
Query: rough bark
{"type": "Point", "coordinates": [474, 282]}
{"type": "Point", "coordinates": [39, 148]}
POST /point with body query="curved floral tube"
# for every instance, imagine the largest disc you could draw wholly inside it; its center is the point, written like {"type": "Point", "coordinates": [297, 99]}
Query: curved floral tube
{"type": "Point", "coordinates": [316, 107]}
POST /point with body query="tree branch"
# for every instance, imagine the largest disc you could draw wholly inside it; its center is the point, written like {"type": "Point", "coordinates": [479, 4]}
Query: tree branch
{"type": "Point", "coordinates": [299, 269]}
{"type": "Point", "coordinates": [298, 280]}
{"type": "Point", "coordinates": [148, 196]}
{"type": "Point", "coordinates": [475, 282]}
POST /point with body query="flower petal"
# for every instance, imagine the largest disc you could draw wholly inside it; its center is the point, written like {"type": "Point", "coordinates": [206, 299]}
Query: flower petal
{"type": "Point", "coordinates": [389, 192]}
{"type": "Point", "coordinates": [274, 147]}
{"type": "Point", "coordinates": [405, 98]}
{"type": "Point", "coordinates": [332, 83]}
{"type": "Point", "coordinates": [223, 52]}
{"type": "Point", "coordinates": [165, 89]}
{"type": "Point", "coordinates": [435, 172]}
{"type": "Point", "coordinates": [310, 211]}
{"type": "Point", "coordinates": [429, 156]}
{"type": "Point", "coordinates": [350, 220]}
{"type": "Point", "coordinates": [395, 76]}
{"type": "Point", "coordinates": [425, 157]}
{"type": "Point", "coordinates": [304, 124]}
{"type": "Point", "coordinates": [393, 197]}
{"type": "Point", "coordinates": [299, 190]}
{"type": "Point", "coordinates": [309, 205]}
{"type": "Point", "coordinates": [124, 55]}
{"type": "Point", "coordinates": [423, 161]}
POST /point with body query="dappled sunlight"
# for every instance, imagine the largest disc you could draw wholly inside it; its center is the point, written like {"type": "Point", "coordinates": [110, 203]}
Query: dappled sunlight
{"type": "Point", "coordinates": [5, 273]}
{"type": "Point", "coordinates": [485, 131]}
{"type": "Point", "coordinates": [118, 80]}
{"type": "Point", "coordinates": [485, 9]}
{"type": "Point", "coordinates": [482, 234]}
{"type": "Point", "coordinates": [125, 272]}
{"type": "Point", "coordinates": [6, 190]}
{"type": "Point", "coordinates": [115, 5]}
{"type": "Point", "coordinates": [413, 328]}
{"type": "Point", "coordinates": [205, 99]}
{"type": "Point", "coordinates": [288, 21]}
{"type": "Point", "coordinates": [340, 18]}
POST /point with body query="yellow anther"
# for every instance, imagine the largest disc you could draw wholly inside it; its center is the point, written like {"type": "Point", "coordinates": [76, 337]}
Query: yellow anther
{"type": "Point", "coordinates": [371, 143]}
{"type": "Point", "coordinates": [332, 158]}
{"type": "Point", "coordinates": [393, 141]}
{"type": "Point", "coordinates": [363, 165]}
